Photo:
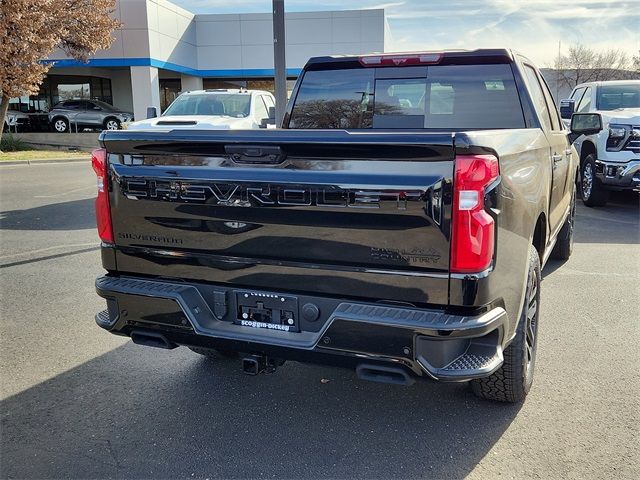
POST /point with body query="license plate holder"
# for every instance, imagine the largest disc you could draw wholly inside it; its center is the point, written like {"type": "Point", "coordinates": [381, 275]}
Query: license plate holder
{"type": "Point", "coordinates": [272, 311]}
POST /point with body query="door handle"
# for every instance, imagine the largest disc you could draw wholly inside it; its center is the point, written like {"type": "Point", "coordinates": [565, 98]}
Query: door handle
{"type": "Point", "coordinates": [556, 158]}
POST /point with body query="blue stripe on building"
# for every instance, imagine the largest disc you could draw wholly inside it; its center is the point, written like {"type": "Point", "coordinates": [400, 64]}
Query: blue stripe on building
{"type": "Point", "coordinates": [152, 62]}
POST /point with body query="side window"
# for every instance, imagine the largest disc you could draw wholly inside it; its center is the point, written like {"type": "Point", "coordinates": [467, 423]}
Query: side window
{"type": "Point", "coordinates": [268, 100]}
{"type": "Point", "coordinates": [71, 105]}
{"type": "Point", "coordinates": [585, 103]}
{"type": "Point", "coordinates": [577, 94]}
{"type": "Point", "coordinates": [261, 109]}
{"type": "Point", "coordinates": [538, 97]}
{"type": "Point", "coordinates": [556, 121]}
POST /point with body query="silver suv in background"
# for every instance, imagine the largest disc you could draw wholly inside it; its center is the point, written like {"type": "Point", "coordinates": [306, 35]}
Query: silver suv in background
{"type": "Point", "coordinates": [80, 114]}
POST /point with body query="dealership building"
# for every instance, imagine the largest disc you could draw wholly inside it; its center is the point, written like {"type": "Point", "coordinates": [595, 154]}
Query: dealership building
{"type": "Point", "coordinates": [162, 49]}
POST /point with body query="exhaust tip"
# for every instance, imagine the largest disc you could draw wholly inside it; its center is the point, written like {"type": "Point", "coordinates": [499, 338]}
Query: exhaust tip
{"type": "Point", "coordinates": [382, 374]}
{"type": "Point", "coordinates": [151, 339]}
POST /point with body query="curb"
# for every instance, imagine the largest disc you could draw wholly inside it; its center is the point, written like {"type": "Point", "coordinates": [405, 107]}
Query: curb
{"type": "Point", "coordinates": [47, 160]}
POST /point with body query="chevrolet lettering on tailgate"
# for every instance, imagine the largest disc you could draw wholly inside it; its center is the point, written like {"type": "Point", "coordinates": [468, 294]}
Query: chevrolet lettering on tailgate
{"type": "Point", "coordinates": [229, 194]}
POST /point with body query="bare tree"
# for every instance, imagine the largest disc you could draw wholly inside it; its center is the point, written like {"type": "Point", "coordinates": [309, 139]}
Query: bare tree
{"type": "Point", "coordinates": [582, 64]}
{"type": "Point", "coordinates": [636, 62]}
{"type": "Point", "coordinates": [31, 29]}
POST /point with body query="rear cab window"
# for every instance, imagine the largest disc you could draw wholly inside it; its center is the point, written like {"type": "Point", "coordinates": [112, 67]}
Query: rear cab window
{"type": "Point", "coordinates": [426, 97]}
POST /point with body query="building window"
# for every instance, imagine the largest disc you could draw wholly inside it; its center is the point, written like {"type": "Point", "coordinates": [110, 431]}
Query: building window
{"type": "Point", "coordinates": [67, 87]}
{"type": "Point", "coordinates": [57, 88]}
{"type": "Point", "coordinates": [170, 88]}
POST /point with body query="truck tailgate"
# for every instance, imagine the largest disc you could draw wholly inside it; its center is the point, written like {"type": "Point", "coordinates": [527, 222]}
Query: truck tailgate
{"type": "Point", "coordinates": [363, 215]}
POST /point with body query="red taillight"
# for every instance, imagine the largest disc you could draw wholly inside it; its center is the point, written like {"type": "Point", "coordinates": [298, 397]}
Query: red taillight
{"type": "Point", "coordinates": [103, 212]}
{"type": "Point", "coordinates": [400, 59]}
{"type": "Point", "coordinates": [472, 228]}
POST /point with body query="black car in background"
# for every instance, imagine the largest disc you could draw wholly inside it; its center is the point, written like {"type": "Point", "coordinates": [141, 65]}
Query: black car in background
{"type": "Point", "coordinates": [79, 114]}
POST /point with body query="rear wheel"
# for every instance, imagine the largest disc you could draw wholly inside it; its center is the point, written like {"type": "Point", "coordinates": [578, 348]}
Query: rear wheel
{"type": "Point", "coordinates": [61, 125]}
{"type": "Point", "coordinates": [513, 380]}
{"type": "Point", "coordinates": [211, 353]}
{"type": "Point", "coordinates": [593, 193]}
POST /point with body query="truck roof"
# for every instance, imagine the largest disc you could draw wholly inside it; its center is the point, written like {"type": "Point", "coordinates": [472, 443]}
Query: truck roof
{"type": "Point", "coordinates": [230, 91]}
{"type": "Point", "coordinates": [607, 82]}
{"type": "Point", "coordinates": [440, 57]}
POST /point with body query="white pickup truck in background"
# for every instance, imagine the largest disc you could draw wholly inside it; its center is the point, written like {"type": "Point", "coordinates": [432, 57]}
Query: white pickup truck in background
{"type": "Point", "coordinates": [609, 158]}
{"type": "Point", "coordinates": [215, 110]}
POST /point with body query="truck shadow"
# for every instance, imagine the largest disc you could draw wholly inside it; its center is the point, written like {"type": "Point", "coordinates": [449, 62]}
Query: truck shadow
{"type": "Point", "coordinates": [141, 413]}
{"type": "Point", "coordinates": [72, 215]}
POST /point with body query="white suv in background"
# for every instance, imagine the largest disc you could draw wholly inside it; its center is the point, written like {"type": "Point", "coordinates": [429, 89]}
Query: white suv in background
{"type": "Point", "coordinates": [215, 110]}
{"type": "Point", "coordinates": [609, 157]}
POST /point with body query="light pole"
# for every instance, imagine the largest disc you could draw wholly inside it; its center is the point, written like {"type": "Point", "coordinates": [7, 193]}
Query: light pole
{"type": "Point", "coordinates": [279, 62]}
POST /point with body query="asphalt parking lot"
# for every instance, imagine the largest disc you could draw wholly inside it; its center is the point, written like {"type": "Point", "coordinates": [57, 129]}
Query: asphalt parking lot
{"type": "Point", "coordinates": [77, 402]}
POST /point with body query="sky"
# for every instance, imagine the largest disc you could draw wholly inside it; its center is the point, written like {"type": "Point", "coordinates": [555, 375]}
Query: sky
{"type": "Point", "coordinates": [534, 27]}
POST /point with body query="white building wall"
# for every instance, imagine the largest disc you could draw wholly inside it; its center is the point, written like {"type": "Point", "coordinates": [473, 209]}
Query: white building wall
{"type": "Point", "coordinates": [145, 89]}
{"type": "Point", "coordinates": [158, 34]}
{"type": "Point", "coordinates": [161, 34]}
{"type": "Point", "coordinates": [172, 34]}
{"type": "Point", "coordinates": [245, 41]}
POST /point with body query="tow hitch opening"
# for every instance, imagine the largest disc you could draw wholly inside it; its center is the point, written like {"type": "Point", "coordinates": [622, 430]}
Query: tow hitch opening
{"type": "Point", "coordinates": [255, 364]}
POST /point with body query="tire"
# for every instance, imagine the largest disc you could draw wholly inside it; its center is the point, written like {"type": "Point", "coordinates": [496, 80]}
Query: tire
{"type": "Point", "coordinates": [593, 193]}
{"type": "Point", "coordinates": [112, 124]}
{"type": "Point", "coordinates": [564, 243]}
{"type": "Point", "coordinates": [211, 353]}
{"type": "Point", "coordinates": [513, 380]}
{"type": "Point", "coordinates": [60, 125]}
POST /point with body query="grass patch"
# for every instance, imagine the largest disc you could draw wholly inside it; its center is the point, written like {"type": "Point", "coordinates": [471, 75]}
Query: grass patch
{"type": "Point", "coordinates": [11, 144]}
{"type": "Point", "coordinates": [29, 155]}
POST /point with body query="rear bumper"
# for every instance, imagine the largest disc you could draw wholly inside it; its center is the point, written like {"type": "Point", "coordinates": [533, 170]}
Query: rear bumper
{"type": "Point", "coordinates": [423, 343]}
{"type": "Point", "coordinates": [619, 175]}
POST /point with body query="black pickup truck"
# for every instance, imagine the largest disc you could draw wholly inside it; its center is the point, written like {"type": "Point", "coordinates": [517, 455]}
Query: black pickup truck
{"type": "Point", "coordinates": [396, 224]}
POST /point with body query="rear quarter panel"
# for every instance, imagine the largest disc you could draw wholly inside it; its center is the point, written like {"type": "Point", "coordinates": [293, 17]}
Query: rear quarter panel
{"type": "Point", "coordinates": [517, 201]}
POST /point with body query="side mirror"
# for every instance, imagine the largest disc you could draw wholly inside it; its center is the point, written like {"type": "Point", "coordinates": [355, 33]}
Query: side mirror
{"type": "Point", "coordinates": [96, 107]}
{"type": "Point", "coordinates": [152, 112]}
{"type": "Point", "coordinates": [584, 124]}
{"type": "Point", "coordinates": [272, 113]}
{"type": "Point", "coordinates": [567, 107]}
